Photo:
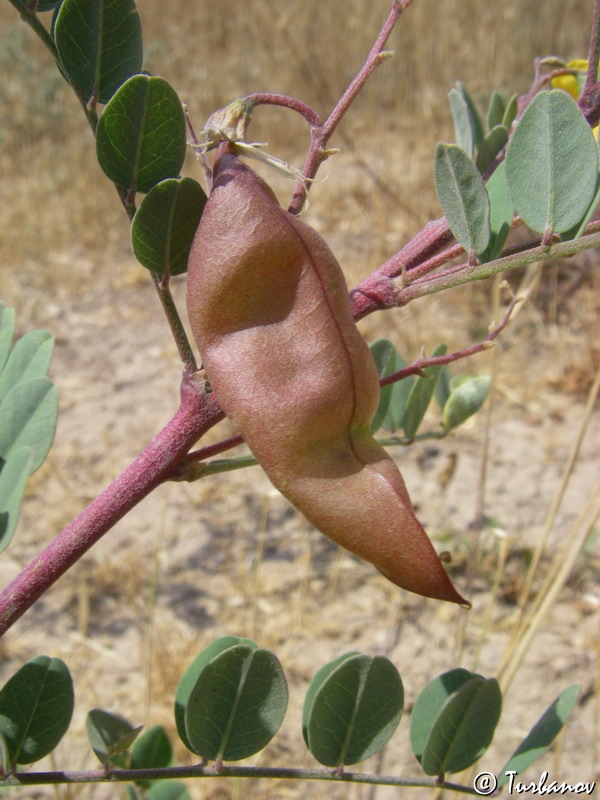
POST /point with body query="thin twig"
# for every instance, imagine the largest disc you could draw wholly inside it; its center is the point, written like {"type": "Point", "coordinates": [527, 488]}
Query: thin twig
{"type": "Point", "coordinates": [128, 775]}
{"type": "Point", "coordinates": [186, 354]}
{"type": "Point", "coordinates": [30, 16]}
{"type": "Point", "coordinates": [421, 364]}
{"type": "Point", "coordinates": [320, 136]}
{"type": "Point", "coordinates": [465, 273]}
{"type": "Point", "coordinates": [285, 101]}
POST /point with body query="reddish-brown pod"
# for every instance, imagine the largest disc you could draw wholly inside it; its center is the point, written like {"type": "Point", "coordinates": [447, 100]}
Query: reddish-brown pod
{"type": "Point", "coordinates": [268, 306]}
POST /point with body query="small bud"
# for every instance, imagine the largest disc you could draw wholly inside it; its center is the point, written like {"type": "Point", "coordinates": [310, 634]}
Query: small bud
{"type": "Point", "coordinates": [554, 62]}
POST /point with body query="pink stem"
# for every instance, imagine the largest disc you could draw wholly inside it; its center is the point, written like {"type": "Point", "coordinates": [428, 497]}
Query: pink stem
{"type": "Point", "coordinates": [379, 290]}
{"type": "Point", "coordinates": [321, 135]}
{"type": "Point", "coordinates": [268, 98]}
{"type": "Point", "coordinates": [589, 100]}
{"type": "Point", "coordinates": [196, 414]}
{"type": "Point", "coordinates": [417, 367]}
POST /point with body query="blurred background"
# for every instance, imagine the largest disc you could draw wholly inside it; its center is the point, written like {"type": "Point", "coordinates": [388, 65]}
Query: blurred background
{"type": "Point", "coordinates": [228, 555]}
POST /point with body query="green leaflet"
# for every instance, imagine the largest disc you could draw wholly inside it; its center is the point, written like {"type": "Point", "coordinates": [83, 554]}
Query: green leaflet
{"type": "Point", "coordinates": [190, 677]}
{"type": "Point", "coordinates": [29, 358]}
{"type": "Point", "coordinates": [454, 720]}
{"type": "Point", "coordinates": [231, 700]}
{"type": "Point", "coordinates": [496, 109]}
{"type": "Point", "coordinates": [466, 398]}
{"type": "Point", "coordinates": [237, 704]}
{"type": "Point", "coordinates": [421, 394]}
{"type": "Point", "coordinates": [36, 706]}
{"type": "Point", "coordinates": [463, 197]}
{"type": "Point", "coordinates": [109, 734]}
{"type": "Point", "coordinates": [491, 146]}
{"type": "Point", "coordinates": [13, 480]}
{"type": "Point", "coordinates": [140, 139]}
{"type": "Point", "coordinates": [152, 749]}
{"type": "Point", "coordinates": [352, 708]}
{"type": "Point", "coordinates": [501, 213]}
{"type": "Point", "coordinates": [543, 733]}
{"type": "Point", "coordinates": [99, 44]}
{"type": "Point", "coordinates": [552, 164]}
{"type": "Point", "coordinates": [163, 228]}
{"type": "Point", "coordinates": [28, 419]}
{"type": "Point", "coordinates": [7, 329]}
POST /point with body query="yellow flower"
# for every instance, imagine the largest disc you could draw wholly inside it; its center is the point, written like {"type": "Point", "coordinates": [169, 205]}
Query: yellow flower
{"type": "Point", "coordinates": [569, 82]}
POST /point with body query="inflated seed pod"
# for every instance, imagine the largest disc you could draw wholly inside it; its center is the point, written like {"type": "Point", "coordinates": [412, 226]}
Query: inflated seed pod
{"type": "Point", "coordinates": [268, 306]}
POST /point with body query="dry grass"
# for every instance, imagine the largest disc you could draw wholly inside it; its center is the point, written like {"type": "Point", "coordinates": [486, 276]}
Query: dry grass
{"type": "Point", "coordinates": [228, 555]}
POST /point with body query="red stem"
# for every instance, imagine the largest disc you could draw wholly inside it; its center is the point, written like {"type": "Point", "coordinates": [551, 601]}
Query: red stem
{"type": "Point", "coordinates": [417, 367]}
{"type": "Point", "coordinates": [589, 100]}
{"type": "Point", "coordinates": [199, 411]}
{"type": "Point", "coordinates": [378, 291]}
{"type": "Point", "coordinates": [270, 99]}
{"type": "Point", "coordinates": [320, 135]}
{"type": "Point", "coordinates": [196, 414]}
